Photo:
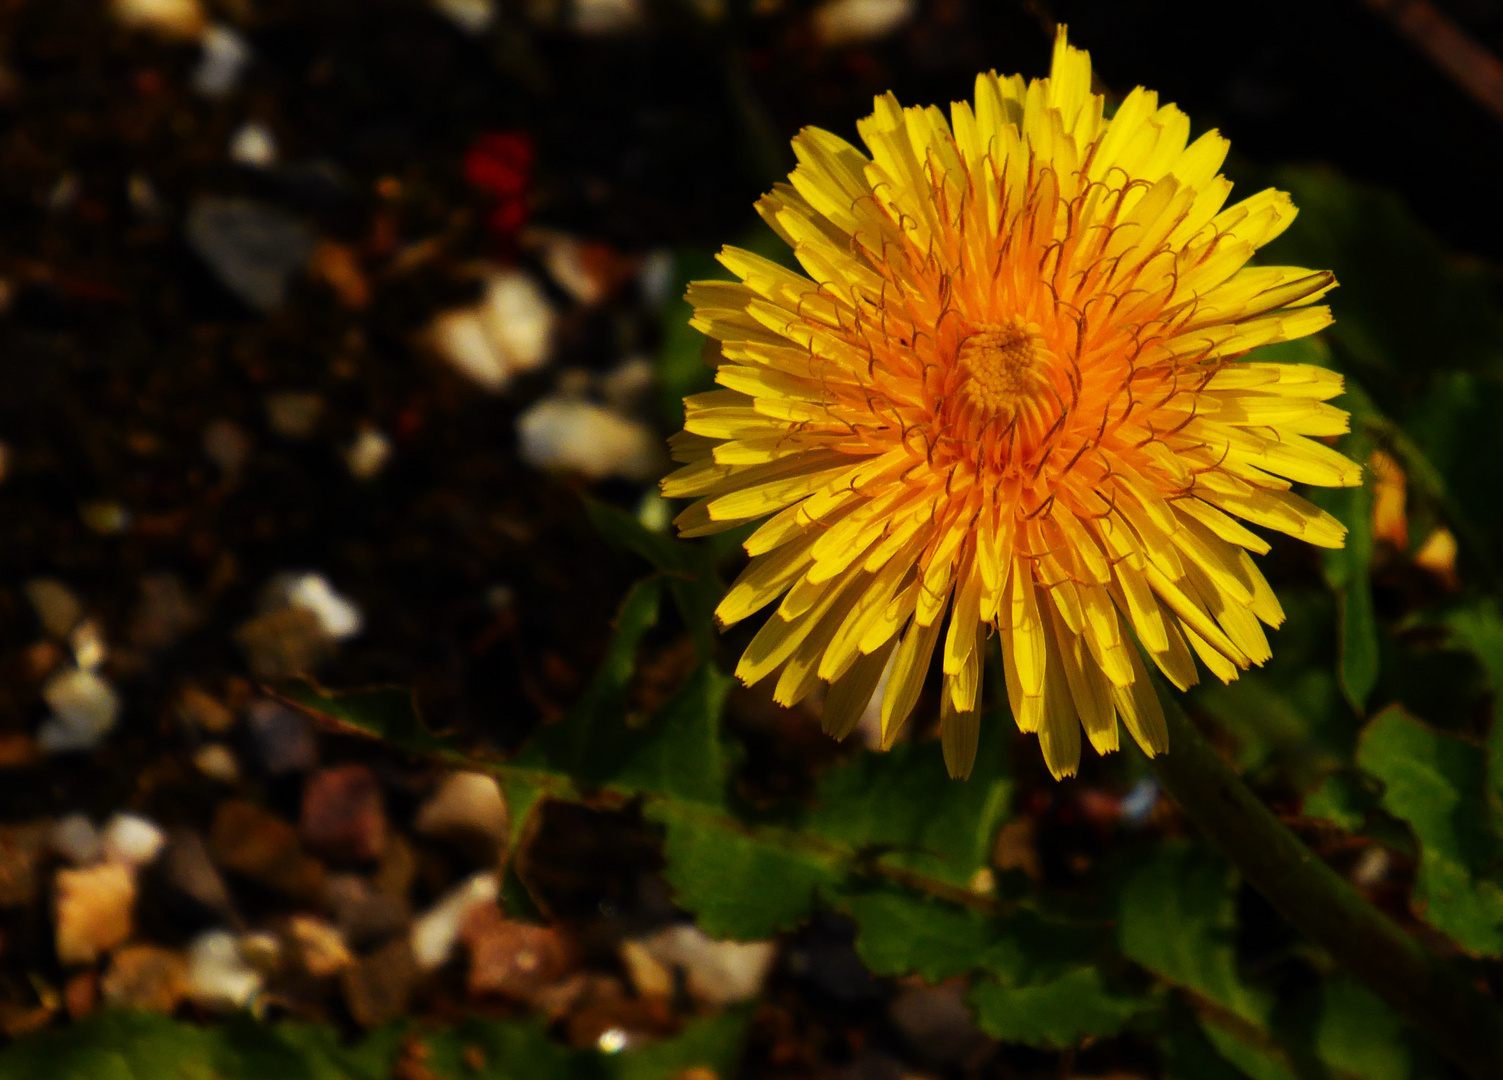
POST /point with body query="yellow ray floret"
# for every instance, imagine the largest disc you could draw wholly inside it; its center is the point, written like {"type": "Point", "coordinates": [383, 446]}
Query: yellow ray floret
{"type": "Point", "coordinates": [1009, 399]}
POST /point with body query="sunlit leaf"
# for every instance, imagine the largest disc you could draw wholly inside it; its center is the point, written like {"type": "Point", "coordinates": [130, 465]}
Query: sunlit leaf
{"type": "Point", "coordinates": [1178, 919]}
{"type": "Point", "coordinates": [1435, 782]}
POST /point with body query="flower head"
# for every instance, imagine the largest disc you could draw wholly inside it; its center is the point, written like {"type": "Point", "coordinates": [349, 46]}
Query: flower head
{"type": "Point", "coordinates": [1009, 397]}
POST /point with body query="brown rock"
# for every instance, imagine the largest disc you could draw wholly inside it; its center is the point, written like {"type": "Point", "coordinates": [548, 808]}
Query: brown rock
{"type": "Point", "coordinates": [378, 988]}
{"type": "Point", "coordinates": [21, 850]}
{"type": "Point", "coordinates": [263, 847]}
{"type": "Point", "coordinates": [321, 950]}
{"type": "Point", "coordinates": [204, 711]}
{"type": "Point", "coordinates": [365, 915]}
{"type": "Point", "coordinates": [92, 911]}
{"type": "Point", "coordinates": [513, 959]}
{"type": "Point", "coordinates": [145, 977]}
{"type": "Point", "coordinates": [342, 814]}
{"type": "Point", "coordinates": [81, 994]}
{"type": "Point", "coordinates": [398, 869]}
{"type": "Point", "coordinates": [288, 641]}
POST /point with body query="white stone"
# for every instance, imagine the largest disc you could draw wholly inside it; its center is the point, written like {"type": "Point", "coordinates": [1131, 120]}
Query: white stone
{"type": "Point", "coordinates": [518, 319]}
{"type": "Point", "coordinates": [225, 57]}
{"type": "Point", "coordinates": [717, 972]}
{"type": "Point", "coordinates": [583, 437]}
{"type": "Point", "coordinates": [435, 933]}
{"type": "Point", "coordinates": [254, 146]}
{"type": "Point", "coordinates": [368, 454]}
{"type": "Point", "coordinates": [564, 257]}
{"type": "Point", "coordinates": [87, 642]}
{"type": "Point", "coordinates": [56, 606]}
{"type": "Point", "coordinates": [132, 840]}
{"type": "Point", "coordinates": [217, 762]}
{"type": "Point", "coordinates": [656, 277]}
{"type": "Point", "coordinates": [510, 331]}
{"type": "Point", "coordinates": [465, 802]}
{"type": "Point", "coordinates": [75, 839]}
{"type": "Point", "coordinates": [170, 18]}
{"type": "Point", "coordinates": [84, 708]}
{"type": "Point", "coordinates": [842, 22]}
{"type": "Point", "coordinates": [337, 615]}
{"type": "Point", "coordinates": [606, 16]}
{"type": "Point", "coordinates": [471, 16]}
{"type": "Point", "coordinates": [218, 975]}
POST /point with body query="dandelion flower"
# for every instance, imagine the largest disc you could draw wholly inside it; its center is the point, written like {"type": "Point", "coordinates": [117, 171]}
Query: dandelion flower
{"type": "Point", "coordinates": [1010, 396]}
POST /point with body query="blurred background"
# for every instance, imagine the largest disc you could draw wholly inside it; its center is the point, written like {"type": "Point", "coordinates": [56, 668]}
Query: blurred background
{"type": "Point", "coordinates": [316, 319]}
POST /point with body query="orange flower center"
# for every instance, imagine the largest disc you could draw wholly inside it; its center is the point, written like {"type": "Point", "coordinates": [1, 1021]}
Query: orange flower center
{"type": "Point", "coordinates": [1005, 367]}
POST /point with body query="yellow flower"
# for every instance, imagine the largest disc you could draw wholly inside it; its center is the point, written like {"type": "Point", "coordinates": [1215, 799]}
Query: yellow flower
{"type": "Point", "coordinates": [1010, 388]}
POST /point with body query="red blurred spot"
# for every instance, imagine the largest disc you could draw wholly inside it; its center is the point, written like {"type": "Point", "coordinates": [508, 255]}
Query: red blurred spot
{"type": "Point", "coordinates": [149, 82]}
{"type": "Point", "coordinates": [500, 164]}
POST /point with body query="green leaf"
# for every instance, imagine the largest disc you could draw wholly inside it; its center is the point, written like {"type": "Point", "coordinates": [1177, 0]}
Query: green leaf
{"type": "Point", "coordinates": [508, 1051]}
{"type": "Point", "coordinates": [682, 754]}
{"type": "Point", "coordinates": [1177, 918]}
{"type": "Point", "coordinates": [1479, 630]}
{"type": "Point", "coordinates": [1255, 1060]}
{"type": "Point", "coordinates": [1358, 1035]}
{"type": "Point", "coordinates": [687, 569]}
{"type": "Point", "coordinates": [388, 713]}
{"type": "Point", "coordinates": [739, 881]}
{"type": "Point", "coordinates": [901, 932]}
{"type": "Point", "coordinates": [903, 806]}
{"type": "Point", "coordinates": [1342, 800]}
{"type": "Point", "coordinates": [711, 1042]}
{"type": "Point", "coordinates": [1435, 782]}
{"type": "Point", "coordinates": [1059, 1013]}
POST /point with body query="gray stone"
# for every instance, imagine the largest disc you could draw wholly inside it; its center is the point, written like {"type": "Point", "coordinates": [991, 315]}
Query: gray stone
{"type": "Point", "coordinates": [253, 247]}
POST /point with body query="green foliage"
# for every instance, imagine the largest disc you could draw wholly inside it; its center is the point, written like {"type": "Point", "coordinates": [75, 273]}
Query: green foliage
{"type": "Point", "coordinates": [1435, 782]}
{"type": "Point", "coordinates": [1058, 1013]}
{"type": "Point", "coordinates": [145, 1046]}
{"type": "Point", "coordinates": [1177, 919]}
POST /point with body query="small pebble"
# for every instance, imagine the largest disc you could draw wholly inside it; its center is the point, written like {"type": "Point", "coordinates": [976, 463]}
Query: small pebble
{"type": "Point", "coordinates": [262, 950]}
{"type": "Point", "coordinates": [466, 805]}
{"type": "Point", "coordinates": [378, 988]}
{"type": "Point", "coordinates": [717, 972]}
{"type": "Point", "coordinates": [606, 16]}
{"type": "Point", "coordinates": [145, 977]}
{"type": "Point", "coordinates": [365, 915]}
{"type": "Point", "coordinates": [435, 933]}
{"type": "Point", "coordinates": [204, 711]}
{"type": "Point", "coordinates": [227, 445]}
{"type": "Point", "coordinates": [845, 22]}
{"type": "Point", "coordinates": [368, 454]}
{"type": "Point", "coordinates": [251, 841]}
{"type": "Point", "coordinates": [189, 872]}
{"type": "Point", "coordinates": [342, 814]}
{"type": "Point", "coordinates": [22, 848]}
{"type": "Point", "coordinates": [92, 911]}
{"type": "Point", "coordinates": [580, 436]}
{"type": "Point", "coordinates": [284, 641]}
{"type": "Point", "coordinates": [656, 278]}
{"type": "Point", "coordinates": [283, 736]}
{"type": "Point", "coordinates": [253, 247]}
{"type": "Point", "coordinates": [937, 1024]}
{"type": "Point", "coordinates": [77, 840]}
{"type": "Point", "coordinates": [253, 146]}
{"type": "Point", "coordinates": [132, 840]}
{"type": "Point", "coordinates": [56, 606]}
{"type": "Point", "coordinates": [321, 948]}
{"type": "Point", "coordinates": [510, 331]}
{"type": "Point", "coordinates": [87, 642]}
{"type": "Point", "coordinates": [165, 612]}
{"type": "Point", "coordinates": [471, 16]}
{"type": "Point", "coordinates": [294, 414]}
{"type": "Point", "coordinates": [217, 762]}
{"type": "Point", "coordinates": [84, 709]}
{"type": "Point", "coordinates": [180, 19]}
{"type": "Point", "coordinates": [218, 975]}
{"type": "Point", "coordinates": [627, 386]}
{"type": "Point", "coordinates": [226, 55]}
{"type": "Point", "coordinates": [104, 516]}
{"type": "Point", "coordinates": [337, 615]}
{"type": "Point", "coordinates": [510, 958]}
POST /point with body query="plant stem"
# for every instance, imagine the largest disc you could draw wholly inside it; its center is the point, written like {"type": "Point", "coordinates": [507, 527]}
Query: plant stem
{"type": "Point", "coordinates": [1464, 1025]}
